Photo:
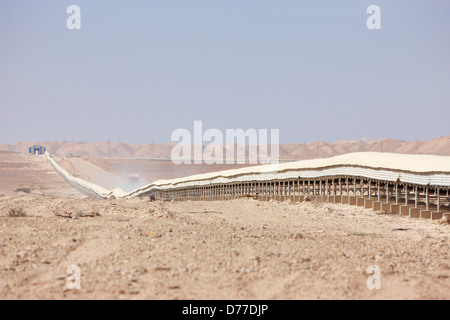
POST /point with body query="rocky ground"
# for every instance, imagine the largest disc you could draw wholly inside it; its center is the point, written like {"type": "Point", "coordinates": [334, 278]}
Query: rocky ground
{"type": "Point", "coordinates": [241, 249]}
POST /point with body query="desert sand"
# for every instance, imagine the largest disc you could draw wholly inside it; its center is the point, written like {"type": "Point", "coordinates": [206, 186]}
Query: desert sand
{"type": "Point", "coordinates": [32, 174]}
{"type": "Point", "coordinates": [241, 249]}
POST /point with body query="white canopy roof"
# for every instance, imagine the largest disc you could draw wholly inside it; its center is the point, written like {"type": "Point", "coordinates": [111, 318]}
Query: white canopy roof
{"type": "Point", "coordinates": [411, 169]}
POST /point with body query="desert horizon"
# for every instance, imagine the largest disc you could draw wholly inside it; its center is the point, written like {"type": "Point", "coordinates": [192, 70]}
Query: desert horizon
{"type": "Point", "coordinates": [287, 151]}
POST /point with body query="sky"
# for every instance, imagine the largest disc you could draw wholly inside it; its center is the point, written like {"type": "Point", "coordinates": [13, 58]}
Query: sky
{"type": "Point", "coordinates": [138, 70]}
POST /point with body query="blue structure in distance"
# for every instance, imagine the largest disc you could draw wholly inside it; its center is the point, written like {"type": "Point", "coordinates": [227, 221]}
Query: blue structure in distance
{"type": "Point", "coordinates": [38, 150]}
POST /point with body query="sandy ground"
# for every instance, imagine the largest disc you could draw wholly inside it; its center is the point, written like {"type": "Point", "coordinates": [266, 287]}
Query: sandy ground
{"type": "Point", "coordinates": [33, 174]}
{"type": "Point", "coordinates": [241, 249]}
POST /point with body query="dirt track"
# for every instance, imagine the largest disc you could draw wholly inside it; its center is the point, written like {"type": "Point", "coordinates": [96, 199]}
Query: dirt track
{"type": "Point", "coordinates": [241, 249]}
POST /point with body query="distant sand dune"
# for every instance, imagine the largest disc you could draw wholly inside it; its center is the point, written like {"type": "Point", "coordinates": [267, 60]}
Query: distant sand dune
{"type": "Point", "coordinates": [292, 151]}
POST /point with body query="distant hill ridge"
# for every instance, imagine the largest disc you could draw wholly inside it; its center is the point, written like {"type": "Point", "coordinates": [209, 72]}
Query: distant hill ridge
{"type": "Point", "coordinates": [292, 151]}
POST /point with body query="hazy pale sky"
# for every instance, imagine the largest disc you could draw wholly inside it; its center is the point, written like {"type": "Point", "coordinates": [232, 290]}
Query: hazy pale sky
{"type": "Point", "coordinates": [138, 70]}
